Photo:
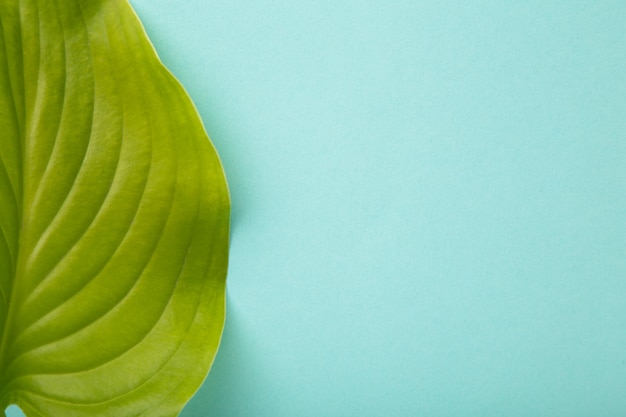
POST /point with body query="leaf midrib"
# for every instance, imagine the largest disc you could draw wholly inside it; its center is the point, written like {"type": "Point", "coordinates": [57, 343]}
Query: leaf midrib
{"type": "Point", "coordinates": [19, 120]}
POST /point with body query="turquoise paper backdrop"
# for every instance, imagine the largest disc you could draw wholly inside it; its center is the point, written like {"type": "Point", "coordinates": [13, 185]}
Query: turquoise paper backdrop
{"type": "Point", "coordinates": [429, 203]}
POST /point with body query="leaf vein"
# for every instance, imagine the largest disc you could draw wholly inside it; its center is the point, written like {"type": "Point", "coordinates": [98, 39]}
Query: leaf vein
{"type": "Point", "coordinates": [38, 191]}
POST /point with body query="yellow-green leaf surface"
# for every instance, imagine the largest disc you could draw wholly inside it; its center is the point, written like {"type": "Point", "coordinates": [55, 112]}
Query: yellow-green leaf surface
{"type": "Point", "coordinates": [114, 217]}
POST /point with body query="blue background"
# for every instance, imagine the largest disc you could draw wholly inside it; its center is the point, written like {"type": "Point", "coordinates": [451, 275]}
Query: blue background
{"type": "Point", "coordinates": [429, 203]}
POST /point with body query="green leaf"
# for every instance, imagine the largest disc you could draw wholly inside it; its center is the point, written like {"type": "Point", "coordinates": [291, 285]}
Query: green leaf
{"type": "Point", "coordinates": [114, 218]}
